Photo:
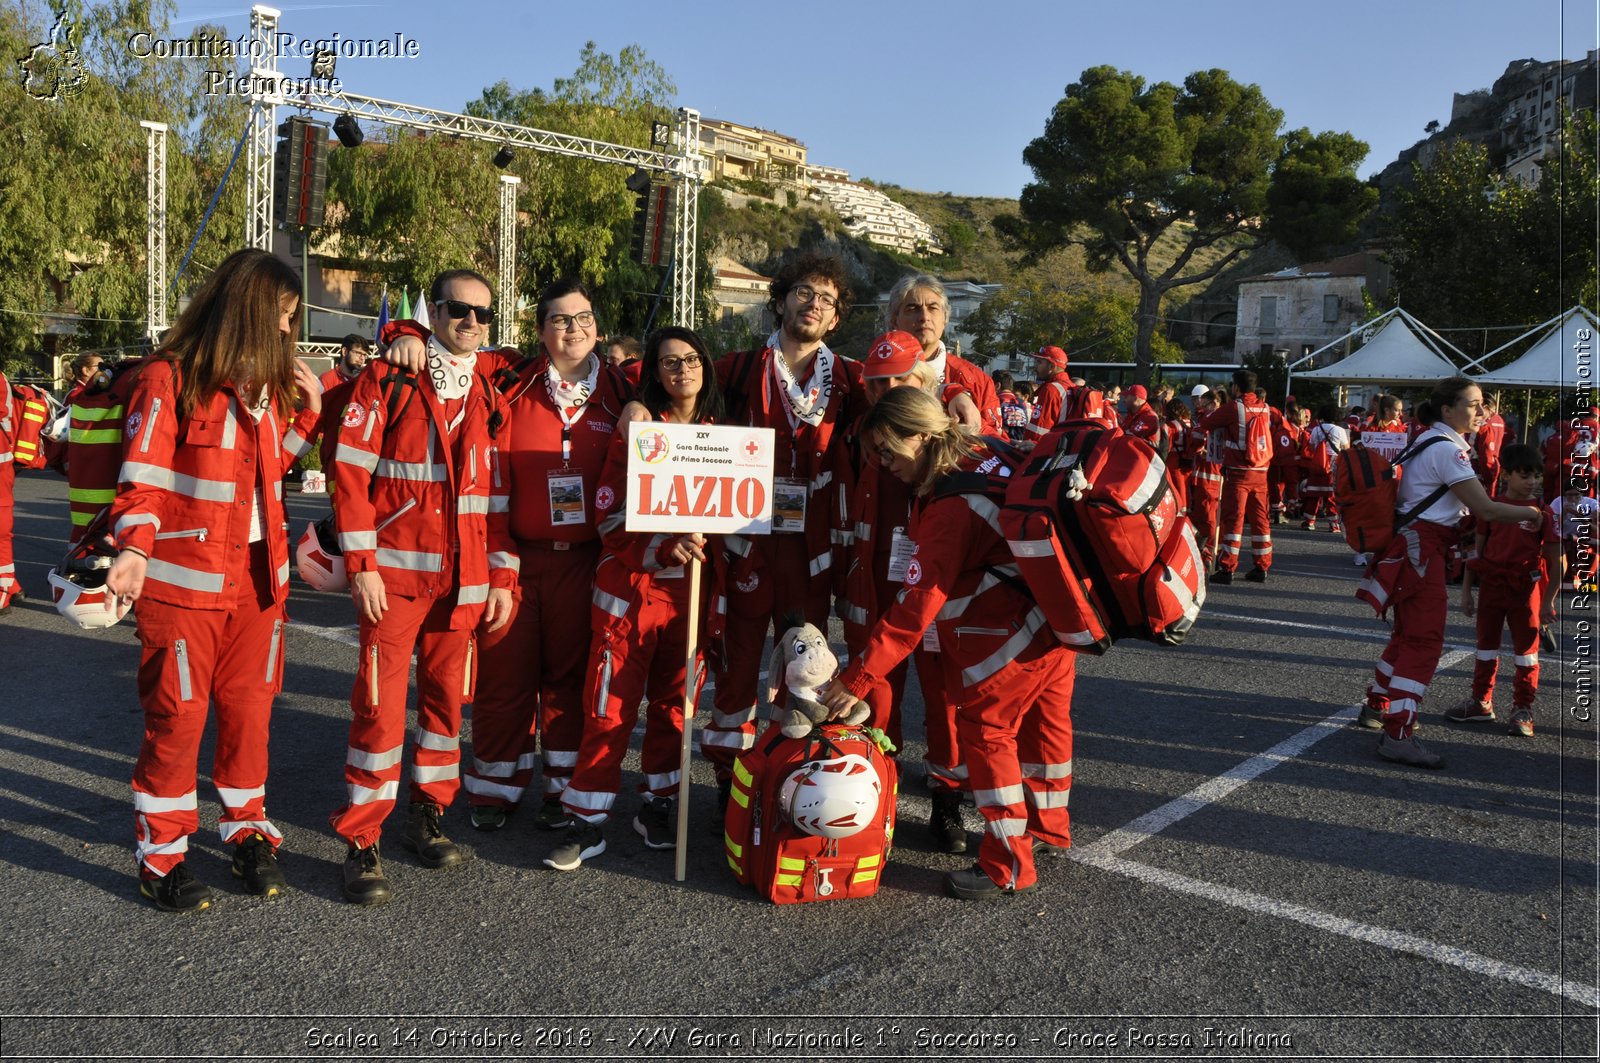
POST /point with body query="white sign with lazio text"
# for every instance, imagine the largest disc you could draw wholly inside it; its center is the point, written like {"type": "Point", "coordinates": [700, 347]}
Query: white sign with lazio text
{"type": "Point", "coordinates": [699, 478]}
{"type": "Point", "coordinates": [1389, 444]}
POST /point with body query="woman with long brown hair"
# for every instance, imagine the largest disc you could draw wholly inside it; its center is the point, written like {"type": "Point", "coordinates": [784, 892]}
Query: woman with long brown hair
{"type": "Point", "coordinates": [212, 429]}
{"type": "Point", "coordinates": [1003, 667]}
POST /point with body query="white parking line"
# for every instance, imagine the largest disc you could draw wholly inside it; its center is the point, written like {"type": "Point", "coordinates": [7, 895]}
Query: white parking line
{"type": "Point", "coordinates": [1106, 854]}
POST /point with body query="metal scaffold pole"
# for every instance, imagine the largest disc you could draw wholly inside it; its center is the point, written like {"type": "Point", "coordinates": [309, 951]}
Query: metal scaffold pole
{"type": "Point", "coordinates": [685, 235]}
{"type": "Point", "coordinates": [155, 240]}
{"type": "Point", "coordinates": [508, 259]}
{"type": "Point", "coordinates": [263, 123]}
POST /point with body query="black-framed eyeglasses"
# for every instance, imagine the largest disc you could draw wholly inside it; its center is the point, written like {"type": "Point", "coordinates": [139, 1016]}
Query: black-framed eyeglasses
{"type": "Point", "coordinates": [805, 294]}
{"type": "Point", "coordinates": [688, 361]}
{"type": "Point", "coordinates": [458, 309]}
{"type": "Point", "coordinates": [565, 322]}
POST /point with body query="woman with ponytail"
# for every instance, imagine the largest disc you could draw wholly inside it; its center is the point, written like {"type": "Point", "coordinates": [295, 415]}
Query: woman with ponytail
{"type": "Point", "coordinates": [1437, 490]}
{"type": "Point", "coordinates": [1003, 667]}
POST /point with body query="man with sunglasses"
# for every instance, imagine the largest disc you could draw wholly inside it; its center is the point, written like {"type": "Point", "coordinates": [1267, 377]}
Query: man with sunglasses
{"type": "Point", "coordinates": [563, 405]}
{"type": "Point", "coordinates": [422, 517]}
{"type": "Point", "coordinates": [808, 395]}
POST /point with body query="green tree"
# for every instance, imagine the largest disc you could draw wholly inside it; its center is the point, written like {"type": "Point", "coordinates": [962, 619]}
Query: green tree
{"type": "Point", "coordinates": [1155, 180]}
{"type": "Point", "coordinates": [73, 214]}
{"type": "Point", "coordinates": [1095, 322]}
{"type": "Point", "coordinates": [1473, 249]}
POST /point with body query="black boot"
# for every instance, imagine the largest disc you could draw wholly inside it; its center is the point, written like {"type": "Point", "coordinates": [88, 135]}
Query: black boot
{"type": "Point", "coordinates": [363, 877]}
{"type": "Point", "coordinates": [949, 833]}
{"type": "Point", "coordinates": [425, 838]}
{"type": "Point", "coordinates": [724, 793]}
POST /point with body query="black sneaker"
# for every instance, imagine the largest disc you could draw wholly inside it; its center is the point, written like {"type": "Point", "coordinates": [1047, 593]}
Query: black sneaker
{"type": "Point", "coordinates": [949, 833]}
{"type": "Point", "coordinates": [1256, 575]}
{"type": "Point", "coordinates": [255, 861]}
{"type": "Point", "coordinates": [585, 842]}
{"type": "Point", "coordinates": [176, 891]}
{"type": "Point", "coordinates": [425, 838]}
{"type": "Point", "coordinates": [552, 815]}
{"type": "Point", "coordinates": [489, 817]}
{"type": "Point", "coordinates": [974, 884]}
{"type": "Point", "coordinates": [654, 824]}
{"type": "Point", "coordinates": [1221, 576]}
{"type": "Point", "coordinates": [363, 877]}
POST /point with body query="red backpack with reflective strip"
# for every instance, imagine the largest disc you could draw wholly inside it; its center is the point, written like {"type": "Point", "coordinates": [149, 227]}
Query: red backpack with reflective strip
{"type": "Point", "coordinates": [781, 783]}
{"type": "Point", "coordinates": [1094, 524]}
{"type": "Point", "coordinates": [33, 408]}
{"type": "Point", "coordinates": [94, 442]}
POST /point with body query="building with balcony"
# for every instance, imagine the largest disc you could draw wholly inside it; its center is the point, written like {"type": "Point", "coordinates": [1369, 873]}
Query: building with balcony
{"type": "Point", "coordinates": [1296, 310]}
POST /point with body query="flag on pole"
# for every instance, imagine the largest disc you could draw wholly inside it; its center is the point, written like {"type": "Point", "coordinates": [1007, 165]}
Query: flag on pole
{"type": "Point", "coordinates": [383, 316]}
{"type": "Point", "coordinates": [421, 309]}
{"type": "Point", "coordinates": [405, 304]}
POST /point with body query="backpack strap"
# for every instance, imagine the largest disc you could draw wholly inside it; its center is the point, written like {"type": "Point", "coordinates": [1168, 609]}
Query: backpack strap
{"type": "Point", "coordinates": [1403, 519]}
{"type": "Point", "coordinates": [399, 387]}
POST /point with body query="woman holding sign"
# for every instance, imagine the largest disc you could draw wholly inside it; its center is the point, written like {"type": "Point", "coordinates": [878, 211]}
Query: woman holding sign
{"type": "Point", "coordinates": [1002, 664]}
{"type": "Point", "coordinates": [640, 617]}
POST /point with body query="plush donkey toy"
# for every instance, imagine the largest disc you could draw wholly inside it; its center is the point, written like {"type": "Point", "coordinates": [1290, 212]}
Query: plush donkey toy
{"type": "Point", "coordinates": [802, 658]}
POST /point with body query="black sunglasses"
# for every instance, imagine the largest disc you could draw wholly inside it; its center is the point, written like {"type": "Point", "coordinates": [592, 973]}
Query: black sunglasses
{"type": "Point", "coordinates": [457, 309]}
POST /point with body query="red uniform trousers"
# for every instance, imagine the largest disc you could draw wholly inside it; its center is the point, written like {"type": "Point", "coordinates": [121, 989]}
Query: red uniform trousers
{"type": "Point", "coordinates": [8, 565]}
{"type": "Point", "coordinates": [378, 713]}
{"type": "Point", "coordinates": [1244, 500]}
{"type": "Point", "coordinates": [188, 658]}
{"type": "Point", "coordinates": [1016, 736]}
{"type": "Point", "coordinates": [1283, 488]}
{"type": "Point", "coordinates": [1203, 504]}
{"type": "Point", "coordinates": [530, 683]}
{"type": "Point", "coordinates": [648, 662]}
{"type": "Point", "coordinates": [1180, 488]}
{"type": "Point", "coordinates": [943, 757]}
{"type": "Point", "coordinates": [1501, 605]}
{"type": "Point", "coordinates": [782, 584]}
{"type": "Point", "coordinates": [1420, 604]}
{"type": "Point", "coordinates": [1317, 498]}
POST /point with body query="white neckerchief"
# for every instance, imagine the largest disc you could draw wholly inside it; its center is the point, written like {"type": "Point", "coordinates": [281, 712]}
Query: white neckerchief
{"type": "Point", "coordinates": [939, 363]}
{"type": "Point", "coordinates": [569, 398]}
{"type": "Point", "coordinates": [450, 375]}
{"type": "Point", "coordinates": [803, 404]}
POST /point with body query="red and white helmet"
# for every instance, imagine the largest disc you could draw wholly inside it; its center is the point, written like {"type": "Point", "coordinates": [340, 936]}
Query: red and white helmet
{"type": "Point", "coordinates": [832, 798]}
{"type": "Point", "coordinates": [78, 586]}
{"type": "Point", "coordinates": [319, 559]}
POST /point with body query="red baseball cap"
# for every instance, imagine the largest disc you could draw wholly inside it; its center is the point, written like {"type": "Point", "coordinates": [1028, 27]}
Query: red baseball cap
{"type": "Point", "coordinates": [1056, 355]}
{"type": "Point", "coordinates": [892, 354]}
{"type": "Point", "coordinates": [1137, 391]}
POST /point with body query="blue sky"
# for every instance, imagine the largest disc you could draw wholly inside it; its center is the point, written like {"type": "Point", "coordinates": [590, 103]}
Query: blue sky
{"type": "Point", "coordinates": [943, 96]}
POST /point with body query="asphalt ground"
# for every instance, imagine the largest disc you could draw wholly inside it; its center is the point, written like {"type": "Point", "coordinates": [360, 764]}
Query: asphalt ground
{"type": "Point", "coordinates": [1248, 879]}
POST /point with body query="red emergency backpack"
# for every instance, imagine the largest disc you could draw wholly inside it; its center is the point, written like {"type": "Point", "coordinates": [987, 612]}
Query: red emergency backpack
{"type": "Point", "coordinates": [1094, 524]}
{"type": "Point", "coordinates": [1319, 455]}
{"type": "Point", "coordinates": [811, 819]}
{"type": "Point", "coordinates": [94, 441]}
{"type": "Point", "coordinates": [34, 408]}
{"type": "Point", "coordinates": [1366, 489]}
{"type": "Point", "coordinates": [1255, 435]}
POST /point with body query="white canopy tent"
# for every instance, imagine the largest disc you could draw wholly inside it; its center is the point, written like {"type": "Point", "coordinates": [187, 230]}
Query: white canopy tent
{"type": "Point", "coordinates": [1553, 362]}
{"type": "Point", "coordinates": [1402, 351]}
{"type": "Point", "coordinates": [1558, 360]}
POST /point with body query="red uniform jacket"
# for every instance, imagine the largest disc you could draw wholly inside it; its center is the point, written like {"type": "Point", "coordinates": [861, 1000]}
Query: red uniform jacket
{"type": "Point", "coordinates": [1229, 419]}
{"type": "Point", "coordinates": [977, 384]}
{"type": "Point", "coordinates": [985, 623]}
{"type": "Point", "coordinates": [186, 488]}
{"type": "Point", "coordinates": [816, 455]}
{"type": "Point", "coordinates": [422, 506]}
{"type": "Point", "coordinates": [1144, 422]}
{"type": "Point", "coordinates": [1047, 404]}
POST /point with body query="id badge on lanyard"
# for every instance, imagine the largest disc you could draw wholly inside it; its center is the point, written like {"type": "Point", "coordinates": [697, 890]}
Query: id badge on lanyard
{"type": "Point", "coordinates": [788, 504]}
{"type": "Point", "coordinates": [567, 505]}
